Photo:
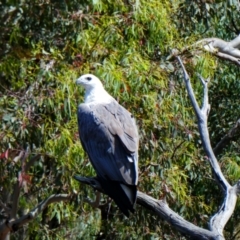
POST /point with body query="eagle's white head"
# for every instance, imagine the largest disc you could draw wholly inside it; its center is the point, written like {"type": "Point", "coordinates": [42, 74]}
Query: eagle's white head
{"type": "Point", "coordinates": [89, 81]}
{"type": "Point", "coordinates": [94, 90]}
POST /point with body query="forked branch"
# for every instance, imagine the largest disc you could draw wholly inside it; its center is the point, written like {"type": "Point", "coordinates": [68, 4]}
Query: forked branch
{"type": "Point", "coordinates": [219, 220]}
{"type": "Point", "coordinates": [202, 115]}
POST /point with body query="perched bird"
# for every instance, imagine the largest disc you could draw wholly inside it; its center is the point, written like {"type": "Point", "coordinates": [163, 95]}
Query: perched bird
{"type": "Point", "coordinates": [109, 135]}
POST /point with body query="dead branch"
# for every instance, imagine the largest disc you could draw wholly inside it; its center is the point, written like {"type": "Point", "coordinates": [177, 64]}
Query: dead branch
{"type": "Point", "coordinates": [224, 50]}
{"type": "Point", "coordinates": [160, 208]}
{"type": "Point", "coordinates": [15, 224]}
{"type": "Point", "coordinates": [220, 219]}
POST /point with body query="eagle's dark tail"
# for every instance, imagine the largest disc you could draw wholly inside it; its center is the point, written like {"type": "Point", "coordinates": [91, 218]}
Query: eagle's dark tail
{"type": "Point", "coordinates": [123, 195]}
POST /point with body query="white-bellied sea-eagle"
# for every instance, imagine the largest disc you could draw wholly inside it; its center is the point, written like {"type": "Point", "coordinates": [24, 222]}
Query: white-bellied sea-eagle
{"type": "Point", "coordinates": [109, 135]}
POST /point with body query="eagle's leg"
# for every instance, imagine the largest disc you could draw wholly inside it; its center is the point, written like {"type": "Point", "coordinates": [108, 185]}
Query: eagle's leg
{"type": "Point", "coordinates": [94, 203]}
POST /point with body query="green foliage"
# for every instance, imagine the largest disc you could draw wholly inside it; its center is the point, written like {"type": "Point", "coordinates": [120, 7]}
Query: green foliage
{"type": "Point", "coordinates": [211, 18]}
{"type": "Point", "coordinates": [46, 45]}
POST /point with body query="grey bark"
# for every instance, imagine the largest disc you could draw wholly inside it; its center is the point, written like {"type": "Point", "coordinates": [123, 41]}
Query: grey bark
{"type": "Point", "coordinates": [222, 49]}
{"type": "Point", "coordinates": [161, 208]}
{"type": "Point", "coordinates": [220, 219]}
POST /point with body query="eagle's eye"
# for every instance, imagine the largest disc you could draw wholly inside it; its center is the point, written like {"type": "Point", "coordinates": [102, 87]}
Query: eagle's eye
{"type": "Point", "coordinates": [89, 78]}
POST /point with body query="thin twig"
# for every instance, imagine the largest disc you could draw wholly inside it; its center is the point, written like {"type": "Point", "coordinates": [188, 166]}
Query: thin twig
{"type": "Point", "coordinates": [232, 133]}
{"type": "Point", "coordinates": [176, 148]}
{"type": "Point", "coordinates": [31, 162]}
{"type": "Point", "coordinates": [15, 224]}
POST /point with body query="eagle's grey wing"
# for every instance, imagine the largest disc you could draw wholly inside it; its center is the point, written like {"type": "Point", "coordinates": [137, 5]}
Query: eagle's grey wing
{"type": "Point", "coordinates": [109, 136]}
{"type": "Point", "coordinates": [124, 126]}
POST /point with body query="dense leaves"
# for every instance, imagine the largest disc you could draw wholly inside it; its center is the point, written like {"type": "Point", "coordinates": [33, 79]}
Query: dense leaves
{"type": "Point", "coordinates": [46, 45]}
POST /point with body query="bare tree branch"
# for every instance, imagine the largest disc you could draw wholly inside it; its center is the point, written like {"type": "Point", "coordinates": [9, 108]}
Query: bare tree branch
{"type": "Point", "coordinates": [161, 208]}
{"type": "Point", "coordinates": [235, 43]}
{"type": "Point", "coordinates": [219, 220]}
{"type": "Point", "coordinates": [232, 133]}
{"type": "Point", "coordinates": [202, 115]}
{"type": "Point", "coordinates": [215, 45]}
{"type": "Point", "coordinates": [15, 224]}
{"type": "Point", "coordinates": [205, 106]}
{"type": "Point", "coordinates": [227, 57]}
{"type": "Point", "coordinates": [224, 50]}
{"type": "Point", "coordinates": [189, 89]}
